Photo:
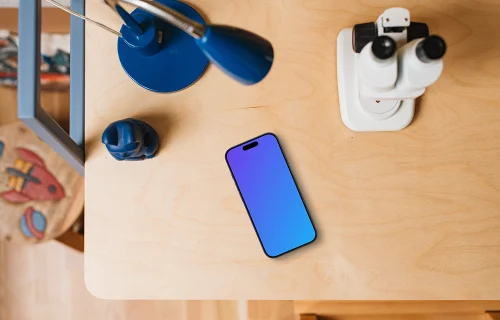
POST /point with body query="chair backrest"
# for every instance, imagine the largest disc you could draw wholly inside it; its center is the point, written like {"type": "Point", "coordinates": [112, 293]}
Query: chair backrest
{"type": "Point", "coordinates": [69, 147]}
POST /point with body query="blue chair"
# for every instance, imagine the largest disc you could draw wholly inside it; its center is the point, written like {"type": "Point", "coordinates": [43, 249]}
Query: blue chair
{"type": "Point", "coordinates": [69, 147]}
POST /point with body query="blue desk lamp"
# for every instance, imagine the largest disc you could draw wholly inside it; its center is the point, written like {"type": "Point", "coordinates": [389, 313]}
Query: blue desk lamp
{"type": "Point", "coordinates": [165, 46]}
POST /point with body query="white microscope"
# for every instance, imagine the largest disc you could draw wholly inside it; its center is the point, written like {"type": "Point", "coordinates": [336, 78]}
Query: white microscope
{"type": "Point", "coordinates": [382, 67]}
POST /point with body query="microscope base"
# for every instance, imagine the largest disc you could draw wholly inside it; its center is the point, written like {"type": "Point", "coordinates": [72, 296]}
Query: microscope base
{"type": "Point", "coordinates": [354, 115]}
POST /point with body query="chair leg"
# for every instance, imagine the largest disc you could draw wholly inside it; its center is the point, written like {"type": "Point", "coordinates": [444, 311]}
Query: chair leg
{"type": "Point", "coordinates": [308, 317]}
{"type": "Point", "coordinates": [493, 315]}
{"type": "Point", "coordinates": [72, 239]}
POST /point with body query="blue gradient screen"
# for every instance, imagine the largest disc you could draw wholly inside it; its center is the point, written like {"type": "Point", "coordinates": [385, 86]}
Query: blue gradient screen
{"type": "Point", "coordinates": [270, 194]}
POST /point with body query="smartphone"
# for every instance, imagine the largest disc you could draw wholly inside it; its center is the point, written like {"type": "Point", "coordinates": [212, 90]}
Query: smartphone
{"type": "Point", "coordinates": [270, 194]}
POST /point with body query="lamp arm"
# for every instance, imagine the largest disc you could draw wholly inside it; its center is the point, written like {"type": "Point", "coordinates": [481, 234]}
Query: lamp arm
{"type": "Point", "coordinates": [191, 27]}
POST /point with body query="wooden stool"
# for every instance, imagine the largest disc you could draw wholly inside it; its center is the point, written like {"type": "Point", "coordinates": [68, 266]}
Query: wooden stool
{"type": "Point", "coordinates": [392, 310]}
{"type": "Point", "coordinates": [41, 196]}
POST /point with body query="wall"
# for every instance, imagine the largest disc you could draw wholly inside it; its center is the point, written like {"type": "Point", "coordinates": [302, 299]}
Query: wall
{"type": "Point", "coordinates": [53, 20]}
{"type": "Point", "coordinates": [14, 3]}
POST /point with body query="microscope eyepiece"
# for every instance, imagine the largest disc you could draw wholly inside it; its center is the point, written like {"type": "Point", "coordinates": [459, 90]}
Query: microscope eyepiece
{"type": "Point", "coordinates": [384, 47]}
{"type": "Point", "coordinates": [431, 48]}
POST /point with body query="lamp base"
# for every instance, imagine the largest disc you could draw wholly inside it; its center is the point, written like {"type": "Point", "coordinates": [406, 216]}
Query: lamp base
{"type": "Point", "coordinates": [178, 64]}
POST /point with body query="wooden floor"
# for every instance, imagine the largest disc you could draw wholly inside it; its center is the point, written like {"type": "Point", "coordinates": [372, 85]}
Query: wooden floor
{"type": "Point", "coordinates": [46, 282]}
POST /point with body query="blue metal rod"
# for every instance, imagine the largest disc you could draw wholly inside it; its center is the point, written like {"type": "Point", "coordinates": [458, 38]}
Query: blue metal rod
{"type": "Point", "coordinates": [77, 75]}
{"type": "Point", "coordinates": [129, 21]}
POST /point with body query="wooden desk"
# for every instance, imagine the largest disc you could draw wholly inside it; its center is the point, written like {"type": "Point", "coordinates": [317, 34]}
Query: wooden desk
{"type": "Point", "coordinates": [413, 214]}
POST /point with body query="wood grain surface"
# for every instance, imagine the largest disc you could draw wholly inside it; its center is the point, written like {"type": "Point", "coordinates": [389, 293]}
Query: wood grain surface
{"type": "Point", "coordinates": [55, 103]}
{"type": "Point", "coordinates": [53, 20]}
{"type": "Point", "coordinates": [395, 309]}
{"type": "Point", "coordinates": [45, 282]}
{"type": "Point", "coordinates": [23, 202]}
{"type": "Point", "coordinates": [398, 310]}
{"type": "Point", "coordinates": [495, 315]}
{"type": "Point", "coordinates": [413, 214]}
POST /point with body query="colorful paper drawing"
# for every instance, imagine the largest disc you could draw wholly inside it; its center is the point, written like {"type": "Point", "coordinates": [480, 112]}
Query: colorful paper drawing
{"type": "Point", "coordinates": [30, 179]}
{"type": "Point", "coordinates": [2, 146]}
{"type": "Point", "coordinates": [33, 224]}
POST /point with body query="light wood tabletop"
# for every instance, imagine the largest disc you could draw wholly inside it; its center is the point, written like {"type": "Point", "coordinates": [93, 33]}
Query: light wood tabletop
{"type": "Point", "coordinates": [413, 214]}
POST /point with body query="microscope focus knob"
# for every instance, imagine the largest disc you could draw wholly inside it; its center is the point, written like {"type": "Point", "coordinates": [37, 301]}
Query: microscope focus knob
{"type": "Point", "coordinates": [431, 48]}
{"type": "Point", "coordinates": [383, 47]}
{"type": "Point", "coordinates": [417, 30]}
{"type": "Point", "coordinates": [363, 34]}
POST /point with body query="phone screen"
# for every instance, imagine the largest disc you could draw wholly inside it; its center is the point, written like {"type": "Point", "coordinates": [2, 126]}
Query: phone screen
{"type": "Point", "coordinates": [270, 195]}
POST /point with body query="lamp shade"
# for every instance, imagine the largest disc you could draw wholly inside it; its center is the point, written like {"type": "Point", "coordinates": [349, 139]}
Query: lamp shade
{"type": "Point", "coordinates": [163, 60]}
{"type": "Point", "coordinates": [243, 55]}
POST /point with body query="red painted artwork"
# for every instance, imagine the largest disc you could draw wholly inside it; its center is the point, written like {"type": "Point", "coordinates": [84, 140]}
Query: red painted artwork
{"type": "Point", "coordinates": [30, 179]}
